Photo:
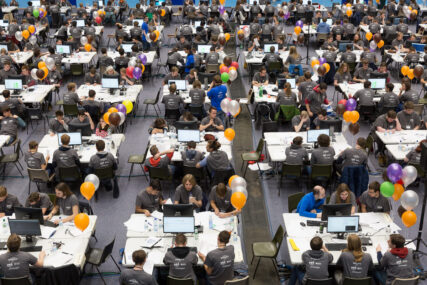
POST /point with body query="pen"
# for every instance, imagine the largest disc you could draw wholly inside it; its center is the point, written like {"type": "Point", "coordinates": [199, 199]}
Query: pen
{"type": "Point", "coordinates": [51, 235]}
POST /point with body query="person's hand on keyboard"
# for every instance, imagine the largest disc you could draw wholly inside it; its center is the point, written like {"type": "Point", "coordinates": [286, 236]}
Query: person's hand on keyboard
{"type": "Point", "coordinates": [324, 248]}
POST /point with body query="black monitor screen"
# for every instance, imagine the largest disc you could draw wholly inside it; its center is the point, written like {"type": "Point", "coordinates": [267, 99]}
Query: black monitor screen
{"type": "Point", "coordinates": [25, 227]}
{"type": "Point", "coordinates": [335, 210]}
{"type": "Point", "coordinates": [180, 210]}
{"type": "Point", "coordinates": [23, 213]}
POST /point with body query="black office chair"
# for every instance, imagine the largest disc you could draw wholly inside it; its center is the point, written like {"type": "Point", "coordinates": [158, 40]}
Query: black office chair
{"type": "Point", "coordinates": [12, 158]}
{"type": "Point", "coordinates": [70, 110]}
{"type": "Point", "coordinates": [70, 174]}
{"type": "Point", "coordinates": [16, 281]}
{"type": "Point", "coordinates": [328, 281]}
{"type": "Point", "coordinates": [178, 281]}
{"type": "Point", "coordinates": [98, 256]}
{"type": "Point", "coordinates": [357, 281]}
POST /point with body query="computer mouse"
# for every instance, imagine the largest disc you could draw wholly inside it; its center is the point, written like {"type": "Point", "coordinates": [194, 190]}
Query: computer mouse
{"type": "Point", "coordinates": [364, 248]}
{"type": "Point", "coordinates": [302, 224]}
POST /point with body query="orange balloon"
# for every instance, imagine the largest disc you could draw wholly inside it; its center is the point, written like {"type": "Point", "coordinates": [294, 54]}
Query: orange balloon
{"type": "Point", "coordinates": [106, 116]}
{"type": "Point", "coordinates": [238, 200]}
{"type": "Point", "coordinates": [31, 29]}
{"type": "Point", "coordinates": [157, 35]}
{"type": "Point", "coordinates": [100, 12]}
{"type": "Point", "coordinates": [404, 70]}
{"type": "Point", "coordinates": [347, 116]}
{"type": "Point", "coordinates": [349, 12]}
{"type": "Point", "coordinates": [380, 44]}
{"type": "Point", "coordinates": [227, 36]}
{"type": "Point", "coordinates": [87, 189]}
{"type": "Point", "coordinates": [88, 47]}
{"type": "Point", "coordinates": [231, 179]}
{"type": "Point", "coordinates": [231, 67]}
{"type": "Point", "coordinates": [222, 2]}
{"type": "Point", "coordinates": [26, 34]}
{"type": "Point", "coordinates": [409, 218]}
{"type": "Point", "coordinates": [410, 8]}
{"type": "Point", "coordinates": [297, 30]}
{"type": "Point", "coordinates": [41, 64]}
{"type": "Point", "coordinates": [162, 12]}
{"type": "Point", "coordinates": [221, 66]}
{"type": "Point", "coordinates": [327, 66]}
{"type": "Point", "coordinates": [348, 5]}
{"type": "Point", "coordinates": [142, 68]}
{"type": "Point", "coordinates": [81, 221]}
{"type": "Point", "coordinates": [368, 36]}
{"type": "Point", "coordinates": [398, 191]}
{"type": "Point", "coordinates": [315, 62]}
{"type": "Point", "coordinates": [415, 11]}
{"type": "Point", "coordinates": [229, 134]}
{"type": "Point", "coordinates": [240, 32]}
{"type": "Point", "coordinates": [46, 72]}
{"type": "Point", "coordinates": [237, 114]}
{"type": "Point", "coordinates": [410, 74]}
{"type": "Point", "coordinates": [113, 110]}
{"type": "Point", "coordinates": [354, 116]}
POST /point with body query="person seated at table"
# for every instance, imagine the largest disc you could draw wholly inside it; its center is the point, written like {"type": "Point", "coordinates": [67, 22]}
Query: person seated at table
{"type": "Point", "coordinates": [71, 97]}
{"type": "Point", "coordinates": [35, 159]}
{"type": "Point", "coordinates": [321, 116]}
{"type": "Point", "coordinates": [9, 125]}
{"type": "Point", "coordinates": [323, 27]}
{"type": "Point", "coordinates": [260, 78]}
{"type": "Point", "coordinates": [122, 59]}
{"type": "Point", "coordinates": [157, 161]}
{"type": "Point", "coordinates": [94, 107]}
{"type": "Point", "coordinates": [408, 94]}
{"type": "Point", "coordinates": [103, 129]}
{"type": "Point", "coordinates": [366, 95]}
{"type": "Point", "coordinates": [65, 156]}
{"type": "Point", "coordinates": [66, 204]}
{"type": "Point", "coordinates": [211, 123]}
{"type": "Point", "coordinates": [219, 200]}
{"type": "Point", "coordinates": [191, 76]}
{"type": "Point", "coordinates": [104, 59]}
{"type": "Point", "coordinates": [414, 156]}
{"type": "Point", "coordinates": [310, 204]}
{"type": "Point", "coordinates": [159, 126]}
{"type": "Point", "coordinates": [4, 56]}
{"type": "Point", "coordinates": [363, 73]}
{"type": "Point", "coordinates": [173, 75]}
{"type": "Point", "coordinates": [191, 156]}
{"type": "Point", "coordinates": [295, 153]}
{"type": "Point", "coordinates": [398, 42]}
{"type": "Point", "coordinates": [8, 202]}
{"type": "Point", "coordinates": [149, 199]}
{"type": "Point", "coordinates": [272, 57]}
{"type": "Point", "coordinates": [189, 192]}
{"type": "Point", "coordinates": [301, 122]}
{"type": "Point", "coordinates": [387, 122]}
{"type": "Point", "coordinates": [357, 42]}
{"type": "Point", "coordinates": [58, 124]}
{"type": "Point", "coordinates": [356, 156]}
{"type": "Point", "coordinates": [315, 261]}
{"type": "Point", "coordinates": [124, 78]}
{"type": "Point", "coordinates": [342, 75]}
{"type": "Point", "coordinates": [219, 263]}
{"type": "Point", "coordinates": [54, 78]}
{"type": "Point", "coordinates": [92, 78]}
{"type": "Point", "coordinates": [15, 104]}
{"type": "Point", "coordinates": [217, 160]}
{"type": "Point", "coordinates": [354, 262]}
{"type": "Point", "coordinates": [294, 62]}
{"type": "Point", "coordinates": [286, 96]}
{"type": "Point", "coordinates": [137, 275]}
{"type": "Point", "coordinates": [255, 43]}
{"type": "Point", "coordinates": [15, 263]}
{"type": "Point", "coordinates": [212, 57]}
{"type": "Point", "coordinates": [174, 57]}
{"type": "Point", "coordinates": [197, 94]}
{"type": "Point", "coordinates": [315, 99]}
{"type": "Point", "coordinates": [408, 119]}
{"type": "Point", "coordinates": [82, 123]}
{"type": "Point", "coordinates": [6, 71]}
{"type": "Point", "coordinates": [344, 195]}
{"type": "Point", "coordinates": [373, 201]}
{"type": "Point", "coordinates": [182, 43]}
{"type": "Point", "coordinates": [329, 44]}
{"type": "Point", "coordinates": [348, 56]}
{"type": "Point", "coordinates": [305, 86]}
{"type": "Point", "coordinates": [412, 56]}
{"type": "Point", "coordinates": [397, 262]}
{"type": "Point", "coordinates": [187, 117]}
{"type": "Point", "coordinates": [172, 101]}
{"type": "Point", "coordinates": [181, 259]}
{"type": "Point", "coordinates": [324, 154]}
{"type": "Point", "coordinates": [39, 200]}
{"type": "Point", "coordinates": [389, 99]}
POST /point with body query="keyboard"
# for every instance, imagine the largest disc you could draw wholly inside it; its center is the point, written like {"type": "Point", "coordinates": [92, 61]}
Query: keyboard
{"type": "Point", "coordinates": [31, 248]}
{"type": "Point", "coordinates": [314, 223]}
{"type": "Point", "coordinates": [49, 224]}
{"type": "Point", "coordinates": [336, 246]}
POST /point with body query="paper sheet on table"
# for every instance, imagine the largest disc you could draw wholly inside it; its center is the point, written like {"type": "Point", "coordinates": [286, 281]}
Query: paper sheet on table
{"type": "Point", "coordinates": [378, 226]}
{"type": "Point", "coordinates": [75, 232]}
{"type": "Point", "coordinates": [150, 242]}
{"type": "Point", "coordinates": [58, 259]}
{"type": "Point", "coordinates": [384, 246]}
{"type": "Point", "coordinates": [369, 219]}
{"type": "Point", "coordinates": [152, 258]}
{"type": "Point", "coordinates": [163, 146]}
{"type": "Point", "coordinates": [157, 215]}
{"type": "Point", "coordinates": [135, 223]}
{"type": "Point", "coordinates": [207, 245]}
{"type": "Point", "coordinates": [70, 246]}
{"type": "Point", "coordinates": [47, 231]}
{"type": "Point", "coordinates": [262, 166]}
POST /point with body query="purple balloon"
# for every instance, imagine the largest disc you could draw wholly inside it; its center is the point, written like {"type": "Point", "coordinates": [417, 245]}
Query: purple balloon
{"type": "Point", "coordinates": [121, 108]}
{"type": "Point", "coordinates": [287, 15]}
{"type": "Point", "coordinates": [351, 104]}
{"type": "Point", "coordinates": [221, 10]}
{"type": "Point", "coordinates": [137, 72]}
{"type": "Point", "coordinates": [371, 50]}
{"type": "Point", "coordinates": [299, 23]}
{"type": "Point", "coordinates": [322, 60]}
{"type": "Point", "coordinates": [143, 59]}
{"type": "Point", "coordinates": [394, 172]}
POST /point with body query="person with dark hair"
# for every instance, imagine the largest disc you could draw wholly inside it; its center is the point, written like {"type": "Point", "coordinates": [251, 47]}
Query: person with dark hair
{"type": "Point", "coordinates": [9, 125]}
{"type": "Point", "coordinates": [15, 104]}
{"type": "Point", "coordinates": [286, 96]}
{"type": "Point", "coordinates": [187, 117]}
{"type": "Point", "coordinates": [343, 195]}
{"type": "Point", "coordinates": [191, 156]}
{"type": "Point", "coordinates": [220, 201]}
{"type": "Point", "coordinates": [39, 200]}
{"type": "Point", "coordinates": [104, 60]}
{"type": "Point", "coordinates": [261, 78]}
{"type": "Point", "coordinates": [356, 156]}
{"type": "Point", "coordinates": [172, 101]}
{"type": "Point", "coordinates": [160, 126]}
{"type": "Point", "coordinates": [398, 262]}
{"type": "Point", "coordinates": [309, 206]}
{"type": "Point", "coordinates": [414, 156]}
{"type": "Point", "coordinates": [363, 73]}
{"type": "Point", "coordinates": [8, 202]}
{"type": "Point", "coordinates": [65, 156]}
{"type": "Point", "coordinates": [157, 161]}
{"type": "Point", "coordinates": [71, 97]}
{"type": "Point", "coordinates": [366, 95]}
{"type": "Point", "coordinates": [150, 199]}
{"type": "Point", "coordinates": [408, 94]}
{"type": "Point", "coordinates": [211, 123]}
{"type": "Point", "coordinates": [389, 99]}
{"type": "Point", "coordinates": [35, 159]}
{"type": "Point", "coordinates": [373, 201]}
{"type": "Point", "coordinates": [173, 75]}
{"type": "Point", "coordinates": [217, 160]}
{"type": "Point", "coordinates": [301, 122]}
{"type": "Point", "coordinates": [137, 275]}
{"type": "Point", "coordinates": [216, 93]}
{"type": "Point", "coordinates": [324, 154]}
{"type": "Point", "coordinates": [295, 153]}
{"type": "Point", "coordinates": [408, 118]}
{"type": "Point", "coordinates": [58, 124]}
{"type": "Point", "coordinates": [322, 115]}
{"type": "Point", "coordinates": [181, 259]}
{"type": "Point", "coordinates": [306, 87]}
{"type": "Point", "coordinates": [189, 192]}
{"type": "Point", "coordinates": [315, 99]}
{"type": "Point", "coordinates": [92, 78]}
{"type": "Point", "coordinates": [82, 123]}
{"type": "Point", "coordinates": [219, 262]}
{"type": "Point", "coordinates": [66, 203]}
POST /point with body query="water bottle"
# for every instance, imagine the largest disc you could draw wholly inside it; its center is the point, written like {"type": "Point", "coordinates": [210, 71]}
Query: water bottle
{"type": "Point", "coordinates": [210, 222]}
{"type": "Point", "coordinates": [196, 234]}
{"type": "Point", "coordinates": [156, 225]}
{"type": "Point", "coordinates": [4, 226]}
{"type": "Point", "coordinates": [146, 226]}
{"type": "Point", "coordinates": [260, 91]}
{"type": "Point", "coordinates": [60, 222]}
{"type": "Point", "coordinates": [234, 236]}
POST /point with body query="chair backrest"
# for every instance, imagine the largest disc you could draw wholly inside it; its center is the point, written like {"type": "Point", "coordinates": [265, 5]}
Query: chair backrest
{"type": "Point", "coordinates": [16, 281]}
{"type": "Point", "coordinates": [38, 175]}
{"type": "Point", "coordinates": [357, 281]}
{"type": "Point", "coordinates": [34, 113]}
{"type": "Point", "coordinates": [18, 149]}
{"type": "Point", "coordinates": [260, 146]}
{"type": "Point", "coordinates": [321, 170]}
{"type": "Point", "coordinates": [70, 110]}
{"type": "Point", "coordinates": [158, 96]}
{"type": "Point", "coordinates": [291, 169]}
{"type": "Point", "coordinates": [268, 127]}
{"type": "Point", "coordinates": [161, 173]}
{"type": "Point", "coordinates": [241, 281]}
{"type": "Point", "coordinates": [418, 108]}
{"type": "Point", "coordinates": [222, 176]}
{"type": "Point", "coordinates": [84, 207]}
{"type": "Point", "coordinates": [278, 238]}
{"type": "Point", "coordinates": [177, 281]}
{"type": "Point", "coordinates": [196, 172]}
{"type": "Point", "coordinates": [69, 174]}
{"type": "Point", "coordinates": [104, 173]}
{"type": "Point", "coordinates": [406, 281]}
{"type": "Point", "coordinates": [107, 250]}
{"type": "Point", "coordinates": [212, 68]}
{"type": "Point", "coordinates": [52, 197]}
{"type": "Point", "coordinates": [328, 281]}
{"type": "Point", "coordinates": [369, 143]}
{"type": "Point", "coordinates": [293, 201]}
{"type": "Point", "coordinates": [76, 68]}
{"type": "Point", "coordinates": [274, 66]}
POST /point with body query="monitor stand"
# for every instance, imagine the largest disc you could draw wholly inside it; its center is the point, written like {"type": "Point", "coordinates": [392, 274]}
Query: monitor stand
{"type": "Point", "coordinates": [111, 91]}
{"type": "Point", "coordinates": [340, 235]}
{"type": "Point", "coordinates": [29, 241]}
{"type": "Point", "coordinates": [16, 92]}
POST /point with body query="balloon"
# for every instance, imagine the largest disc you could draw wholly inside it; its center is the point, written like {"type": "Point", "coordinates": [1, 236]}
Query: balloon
{"type": "Point", "coordinates": [297, 30]}
{"type": "Point", "coordinates": [234, 107]}
{"type": "Point", "coordinates": [409, 175]}
{"type": "Point", "coordinates": [98, 20]}
{"type": "Point", "coordinates": [377, 38]}
{"type": "Point", "coordinates": [114, 119]}
{"type": "Point", "coordinates": [33, 40]}
{"type": "Point", "coordinates": [418, 71]}
{"type": "Point", "coordinates": [83, 40]}
{"type": "Point", "coordinates": [410, 74]}
{"type": "Point", "coordinates": [315, 69]}
{"type": "Point", "coordinates": [41, 64]}
{"type": "Point", "coordinates": [240, 32]}
{"type": "Point", "coordinates": [32, 29]}
{"type": "Point", "coordinates": [387, 189]}
{"type": "Point", "coordinates": [137, 73]}
{"type": "Point", "coordinates": [351, 104]}
{"type": "Point", "coordinates": [322, 60]}
{"type": "Point", "coordinates": [113, 110]}
{"type": "Point", "coordinates": [227, 36]}
{"type": "Point", "coordinates": [229, 134]}
{"type": "Point", "coordinates": [143, 58]}
{"type": "Point", "coordinates": [315, 62]}
{"type": "Point", "coordinates": [94, 179]}
{"type": "Point", "coordinates": [241, 190]}
{"type": "Point", "coordinates": [18, 36]}
{"type": "Point", "coordinates": [36, 13]}
{"type": "Point", "coordinates": [122, 117]}
{"type": "Point", "coordinates": [231, 179]}
{"type": "Point", "coordinates": [225, 77]}
{"type": "Point", "coordinates": [224, 69]}
{"type": "Point", "coordinates": [26, 34]}
{"type": "Point", "coordinates": [394, 172]}
{"type": "Point", "coordinates": [404, 70]}
{"type": "Point", "coordinates": [221, 8]}
{"type": "Point", "coordinates": [343, 101]}
{"type": "Point", "coordinates": [231, 68]}
{"type": "Point", "coordinates": [238, 200]}
{"type": "Point", "coordinates": [354, 116]}
{"type": "Point", "coordinates": [299, 23]}
{"type": "Point", "coordinates": [380, 44]}
{"type": "Point", "coordinates": [88, 47]}
{"type": "Point", "coordinates": [349, 12]}
{"type": "Point", "coordinates": [129, 106]}
{"type": "Point", "coordinates": [327, 67]}
{"type": "Point", "coordinates": [235, 64]}
{"type": "Point", "coordinates": [106, 117]}
{"type": "Point", "coordinates": [129, 71]}
{"type": "Point", "coordinates": [398, 191]}
{"type": "Point", "coordinates": [409, 200]}
{"type": "Point", "coordinates": [368, 36]}
{"type": "Point", "coordinates": [87, 189]}
{"type": "Point", "coordinates": [225, 103]}
{"type": "Point", "coordinates": [162, 12]}
{"type": "Point", "coordinates": [373, 45]}
{"type": "Point", "coordinates": [81, 221]}
{"type": "Point", "coordinates": [233, 74]}
{"type": "Point", "coordinates": [50, 63]}
{"type": "Point", "coordinates": [238, 112]}
{"type": "Point", "coordinates": [238, 182]}
{"type": "Point", "coordinates": [121, 108]}
{"type": "Point", "coordinates": [34, 73]}
{"type": "Point", "coordinates": [409, 218]}
{"type": "Point", "coordinates": [132, 62]}
{"type": "Point", "coordinates": [157, 35]}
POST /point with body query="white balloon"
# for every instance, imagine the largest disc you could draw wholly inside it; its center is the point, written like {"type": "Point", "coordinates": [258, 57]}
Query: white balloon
{"type": "Point", "coordinates": [315, 69]}
{"type": "Point", "coordinates": [94, 179]}
{"type": "Point", "coordinates": [373, 45]}
{"type": "Point", "coordinates": [409, 200]}
{"type": "Point", "coordinates": [18, 36]}
{"type": "Point", "coordinates": [285, 9]}
{"type": "Point", "coordinates": [294, 37]}
{"type": "Point", "coordinates": [83, 40]}
{"type": "Point", "coordinates": [241, 189]}
{"type": "Point", "coordinates": [50, 63]}
{"type": "Point", "coordinates": [221, 35]}
{"type": "Point", "coordinates": [122, 118]}
{"type": "Point", "coordinates": [34, 73]}
{"type": "Point", "coordinates": [225, 103]}
{"type": "Point", "coordinates": [95, 14]}
{"type": "Point", "coordinates": [233, 74]}
{"type": "Point", "coordinates": [409, 175]}
{"type": "Point", "coordinates": [234, 108]}
{"type": "Point", "coordinates": [238, 182]}
{"type": "Point", "coordinates": [132, 63]}
{"type": "Point", "coordinates": [33, 40]}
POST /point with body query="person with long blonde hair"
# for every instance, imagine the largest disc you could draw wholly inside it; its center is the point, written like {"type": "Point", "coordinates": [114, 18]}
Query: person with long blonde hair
{"type": "Point", "coordinates": [343, 195]}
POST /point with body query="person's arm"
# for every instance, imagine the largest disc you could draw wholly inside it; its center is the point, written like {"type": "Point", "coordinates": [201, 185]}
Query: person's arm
{"type": "Point", "coordinates": [204, 127]}
{"type": "Point", "coordinates": [214, 206]}
{"type": "Point", "coordinates": [53, 212]}
{"type": "Point", "coordinates": [92, 125]}
{"type": "Point", "coordinates": [139, 210]}
{"type": "Point", "coordinates": [303, 211]}
{"type": "Point", "coordinates": [363, 208]}
{"type": "Point", "coordinates": [202, 163]}
{"type": "Point", "coordinates": [40, 260]}
{"type": "Point", "coordinates": [70, 218]}
{"type": "Point", "coordinates": [219, 127]}
{"type": "Point", "coordinates": [380, 129]}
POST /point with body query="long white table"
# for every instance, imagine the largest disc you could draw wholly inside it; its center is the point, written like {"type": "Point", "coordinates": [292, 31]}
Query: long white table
{"type": "Point", "coordinates": [257, 56]}
{"type": "Point", "coordinates": [9, 9]}
{"type": "Point", "coordinates": [82, 57]}
{"type": "Point", "coordinates": [34, 94]}
{"type": "Point", "coordinates": [398, 57]}
{"type": "Point", "coordinates": [399, 151]}
{"type": "Point", "coordinates": [184, 94]}
{"type": "Point", "coordinates": [128, 28]}
{"type": "Point", "coordinates": [22, 57]}
{"type": "Point", "coordinates": [150, 55]}
{"type": "Point", "coordinates": [271, 96]}
{"type": "Point", "coordinates": [49, 144]}
{"type": "Point", "coordinates": [403, 137]}
{"type": "Point", "coordinates": [351, 88]}
{"type": "Point", "coordinates": [104, 95]}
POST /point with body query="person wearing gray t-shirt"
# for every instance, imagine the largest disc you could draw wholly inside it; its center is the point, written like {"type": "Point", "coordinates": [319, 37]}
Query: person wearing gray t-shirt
{"type": "Point", "coordinates": [191, 156]}
{"type": "Point", "coordinates": [189, 192]}
{"type": "Point", "coordinates": [301, 122]}
{"type": "Point", "coordinates": [150, 199]}
{"type": "Point", "coordinates": [137, 275]}
{"type": "Point", "coordinates": [365, 95]}
{"type": "Point", "coordinates": [408, 119]}
{"type": "Point", "coordinates": [220, 201]}
{"type": "Point", "coordinates": [211, 123]}
{"type": "Point", "coordinates": [41, 201]}
{"type": "Point", "coordinates": [356, 156]}
{"type": "Point", "coordinates": [66, 204]}
{"type": "Point", "coordinates": [324, 154]}
{"type": "Point", "coordinates": [373, 201]}
{"type": "Point", "coordinates": [181, 259]}
{"type": "Point", "coordinates": [8, 202]}
{"type": "Point", "coordinates": [35, 159]}
{"type": "Point", "coordinates": [296, 154]}
{"type": "Point", "coordinates": [343, 195]}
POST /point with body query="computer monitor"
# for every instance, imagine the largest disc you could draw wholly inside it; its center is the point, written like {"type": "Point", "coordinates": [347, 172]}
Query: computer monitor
{"type": "Point", "coordinates": [27, 228]}
{"type": "Point", "coordinates": [175, 225]}
{"type": "Point", "coordinates": [204, 48]}
{"type": "Point", "coordinates": [110, 82]}
{"type": "Point", "coordinates": [3, 46]}
{"type": "Point", "coordinates": [127, 47]}
{"type": "Point", "coordinates": [101, 3]}
{"type": "Point", "coordinates": [418, 47]}
{"type": "Point", "coordinates": [342, 46]}
{"type": "Point", "coordinates": [80, 23]}
{"type": "Point", "coordinates": [83, 128]}
{"type": "Point", "coordinates": [63, 49]}
{"type": "Point", "coordinates": [140, 21]}
{"type": "Point", "coordinates": [312, 135]}
{"type": "Point", "coordinates": [197, 24]}
{"type": "Point", "coordinates": [305, 2]}
{"type": "Point", "coordinates": [268, 46]}
{"type": "Point", "coordinates": [36, 3]}
{"type": "Point", "coordinates": [180, 84]}
{"type": "Point", "coordinates": [343, 224]}
{"type": "Point", "coordinates": [281, 83]}
{"type": "Point", "coordinates": [336, 124]}
{"type": "Point", "coordinates": [377, 83]}
{"type": "Point", "coordinates": [13, 84]}
{"type": "Point", "coordinates": [75, 138]}
{"type": "Point", "coordinates": [292, 82]}
{"type": "Point", "coordinates": [4, 23]}
{"type": "Point", "coordinates": [251, 2]}
{"type": "Point", "coordinates": [329, 22]}
{"type": "Point", "coordinates": [185, 136]}
{"type": "Point", "coordinates": [184, 125]}
{"type": "Point", "coordinates": [178, 210]}
{"type": "Point", "coordinates": [159, 2]}
{"type": "Point", "coordinates": [335, 210]}
{"type": "Point", "coordinates": [23, 213]}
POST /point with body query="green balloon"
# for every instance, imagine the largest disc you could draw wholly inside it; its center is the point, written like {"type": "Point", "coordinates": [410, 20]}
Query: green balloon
{"type": "Point", "coordinates": [225, 77]}
{"type": "Point", "coordinates": [387, 189]}
{"type": "Point", "coordinates": [36, 13]}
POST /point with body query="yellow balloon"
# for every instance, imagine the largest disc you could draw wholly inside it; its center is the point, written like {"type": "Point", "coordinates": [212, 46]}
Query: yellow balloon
{"type": "Point", "coordinates": [129, 106]}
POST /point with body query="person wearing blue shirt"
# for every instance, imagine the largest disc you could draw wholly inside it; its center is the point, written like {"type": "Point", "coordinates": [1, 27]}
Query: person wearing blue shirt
{"type": "Point", "coordinates": [145, 34]}
{"type": "Point", "coordinates": [189, 62]}
{"type": "Point", "coordinates": [309, 206]}
{"type": "Point", "coordinates": [323, 27]}
{"type": "Point", "coordinates": [216, 93]}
